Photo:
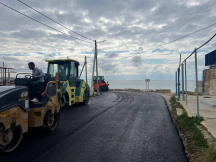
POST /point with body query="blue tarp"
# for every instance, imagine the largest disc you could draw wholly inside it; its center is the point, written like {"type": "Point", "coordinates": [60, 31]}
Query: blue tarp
{"type": "Point", "coordinates": [210, 58]}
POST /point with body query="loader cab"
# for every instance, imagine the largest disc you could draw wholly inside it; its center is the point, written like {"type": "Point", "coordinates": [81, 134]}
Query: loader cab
{"type": "Point", "coordinates": [67, 69]}
{"type": "Point", "coordinates": [100, 78]}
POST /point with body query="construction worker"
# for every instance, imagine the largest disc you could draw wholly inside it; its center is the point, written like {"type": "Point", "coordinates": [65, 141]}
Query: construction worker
{"type": "Point", "coordinates": [37, 86]}
{"type": "Point", "coordinates": [36, 72]}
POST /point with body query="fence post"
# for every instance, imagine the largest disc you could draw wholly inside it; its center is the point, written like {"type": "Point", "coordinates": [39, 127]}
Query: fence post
{"type": "Point", "coordinates": [203, 81]}
{"type": "Point", "coordinates": [186, 82]}
{"type": "Point", "coordinates": [183, 98]}
{"type": "Point", "coordinates": [179, 83]}
{"type": "Point", "coordinates": [176, 81]}
{"type": "Point", "coordinates": [197, 92]}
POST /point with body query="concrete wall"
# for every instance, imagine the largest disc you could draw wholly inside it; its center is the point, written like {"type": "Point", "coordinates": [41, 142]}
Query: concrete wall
{"type": "Point", "coordinates": [210, 82]}
{"type": "Point", "coordinates": [199, 87]}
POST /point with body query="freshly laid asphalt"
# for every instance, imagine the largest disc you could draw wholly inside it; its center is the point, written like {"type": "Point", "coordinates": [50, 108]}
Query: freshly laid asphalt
{"type": "Point", "coordinates": [113, 127]}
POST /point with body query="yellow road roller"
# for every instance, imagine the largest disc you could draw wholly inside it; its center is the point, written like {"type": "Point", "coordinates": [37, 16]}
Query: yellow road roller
{"type": "Point", "coordinates": [18, 112]}
{"type": "Point", "coordinates": [72, 89]}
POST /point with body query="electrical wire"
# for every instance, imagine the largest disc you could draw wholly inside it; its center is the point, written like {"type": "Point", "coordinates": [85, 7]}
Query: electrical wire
{"type": "Point", "coordinates": [42, 23]}
{"type": "Point", "coordinates": [198, 48]}
{"type": "Point", "coordinates": [54, 20]}
{"type": "Point", "coordinates": [174, 41]}
{"type": "Point", "coordinates": [200, 11]}
{"type": "Point", "coordinates": [178, 25]}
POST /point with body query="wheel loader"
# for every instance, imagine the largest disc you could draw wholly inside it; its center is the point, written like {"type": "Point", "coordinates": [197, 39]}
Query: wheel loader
{"type": "Point", "coordinates": [71, 89]}
{"type": "Point", "coordinates": [18, 112]}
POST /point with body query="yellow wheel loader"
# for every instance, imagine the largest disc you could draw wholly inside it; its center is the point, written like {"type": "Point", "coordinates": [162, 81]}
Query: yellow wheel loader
{"type": "Point", "coordinates": [18, 112]}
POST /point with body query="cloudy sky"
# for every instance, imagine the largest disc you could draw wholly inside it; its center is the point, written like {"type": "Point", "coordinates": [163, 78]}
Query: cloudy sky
{"type": "Point", "coordinates": [133, 29]}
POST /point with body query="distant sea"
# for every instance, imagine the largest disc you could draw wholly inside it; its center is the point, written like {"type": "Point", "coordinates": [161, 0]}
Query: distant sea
{"type": "Point", "coordinates": [154, 84]}
{"type": "Point", "coordinates": [140, 84]}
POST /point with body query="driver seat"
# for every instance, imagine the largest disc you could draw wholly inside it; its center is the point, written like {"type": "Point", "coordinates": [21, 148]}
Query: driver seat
{"type": "Point", "coordinates": [35, 88]}
{"type": "Point", "coordinates": [50, 91]}
{"type": "Point", "coordinates": [22, 82]}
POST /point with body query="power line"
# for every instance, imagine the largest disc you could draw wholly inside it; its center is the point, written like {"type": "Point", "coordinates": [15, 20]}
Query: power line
{"type": "Point", "coordinates": [180, 24]}
{"type": "Point", "coordinates": [199, 47]}
{"type": "Point", "coordinates": [42, 23]}
{"type": "Point", "coordinates": [193, 13]}
{"type": "Point", "coordinates": [175, 41]}
{"type": "Point", "coordinates": [177, 26]}
{"type": "Point", "coordinates": [54, 21]}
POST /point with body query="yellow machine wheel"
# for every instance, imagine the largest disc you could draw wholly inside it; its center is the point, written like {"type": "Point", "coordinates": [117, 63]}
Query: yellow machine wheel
{"type": "Point", "coordinates": [51, 121]}
{"type": "Point", "coordinates": [11, 138]}
{"type": "Point", "coordinates": [86, 97]}
{"type": "Point", "coordinates": [62, 102]}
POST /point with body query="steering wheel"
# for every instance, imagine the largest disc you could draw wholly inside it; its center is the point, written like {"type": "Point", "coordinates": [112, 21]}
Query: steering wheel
{"type": "Point", "coordinates": [29, 77]}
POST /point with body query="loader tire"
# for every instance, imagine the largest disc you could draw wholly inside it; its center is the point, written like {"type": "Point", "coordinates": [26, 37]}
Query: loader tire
{"type": "Point", "coordinates": [86, 97]}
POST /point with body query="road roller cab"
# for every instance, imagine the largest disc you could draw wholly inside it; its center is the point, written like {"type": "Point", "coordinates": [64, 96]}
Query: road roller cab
{"type": "Point", "coordinates": [17, 112]}
{"type": "Point", "coordinates": [71, 89]}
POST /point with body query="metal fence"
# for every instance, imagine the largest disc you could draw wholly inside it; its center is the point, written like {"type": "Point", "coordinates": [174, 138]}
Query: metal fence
{"type": "Point", "coordinates": [182, 73]}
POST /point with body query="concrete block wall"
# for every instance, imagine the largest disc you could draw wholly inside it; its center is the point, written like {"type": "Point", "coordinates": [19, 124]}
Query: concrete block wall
{"type": "Point", "coordinates": [210, 82]}
{"type": "Point", "coordinates": [199, 87]}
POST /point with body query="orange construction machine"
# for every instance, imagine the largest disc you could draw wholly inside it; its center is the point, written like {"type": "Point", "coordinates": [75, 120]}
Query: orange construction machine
{"type": "Point", "coordinates": [102, 85]}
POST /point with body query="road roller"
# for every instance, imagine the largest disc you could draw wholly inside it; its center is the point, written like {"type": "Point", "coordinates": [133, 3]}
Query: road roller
{"type": "Point", "coordinates": [72, 89]}
{"type": "Point", "coordinates": [29, 103]}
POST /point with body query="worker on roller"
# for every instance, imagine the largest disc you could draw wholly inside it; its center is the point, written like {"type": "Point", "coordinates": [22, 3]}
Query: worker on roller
{"type": "Point", "coordinates": [36, 72]}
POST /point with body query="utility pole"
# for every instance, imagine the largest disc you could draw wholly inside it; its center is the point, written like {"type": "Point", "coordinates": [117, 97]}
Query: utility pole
{"type": "Point", "coordinates": [96, 66]}
{"type": "Point", "coordinates": [3, 75]}
{"type": "Point", "coordinates": [179, 83]}
{"type": "Point", "coordinates": [179, 78]}
{"type": "Point", "coordinates": [197, 92]}
{"type": "Point", "coordinates": [95, 61]}
{"type": "Point", "coordinates": [176, 82]}
{"type": "Point", "coordinates": [92, 82]}
{"type": "Point", "coordinates": [183, 98]}
{"type": "Point", "coordinates": [86, 68]}
{"type": "Point", "coordinates": [186, 81]}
